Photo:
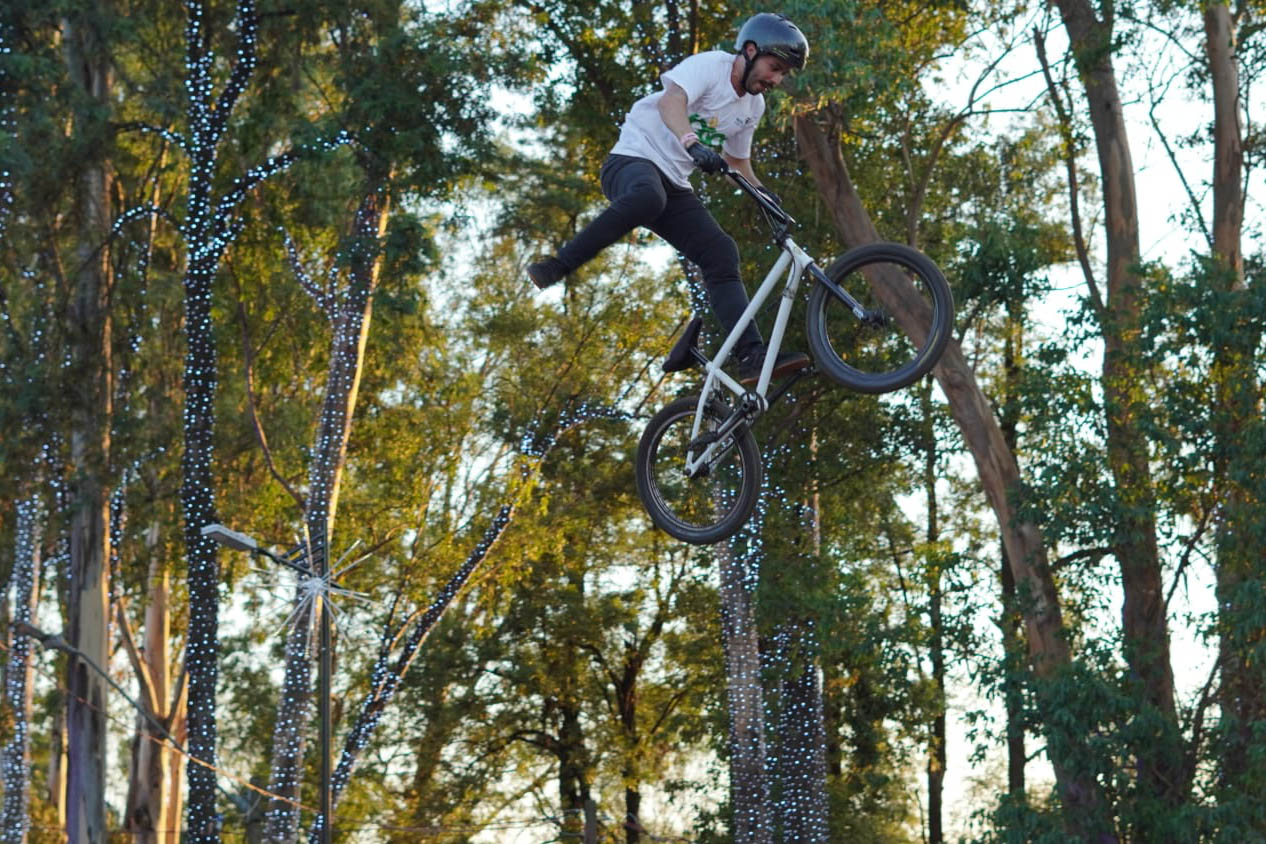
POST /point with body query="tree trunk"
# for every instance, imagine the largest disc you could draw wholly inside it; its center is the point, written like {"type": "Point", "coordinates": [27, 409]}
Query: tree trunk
{"type": "Point", "coordinates": [1084, 802]}
{"type": "Point", "coordinates": [1010, 620]}
{"type": "Point", "coordinates": [157, 771]}
{"type": "Point", "coordinates": [936, 760]}
{"type": "Point", "coordinates": [57, 767]}
{"type": "Point", "coordinates": [632, 815]}
{"type": "Point", "coordinates": [1159, 757]}
{"type": "Point", "coordinates": [573, 786]}
{"type": "Point", "coordinates": [350, 317]}
{"type": "Point", "coordinates": [91, 393]}
{"type": "Point", "coordinates": [350, 314]}
{"type": "Point", "coordinates": [19, 674]}
{"type": "Point", "coordinates": [1238, 559]}
{"type": "Point", "coordinates": [749, 786]}
{"type": "Point", "coordinates": [282, 824]}
{"type": "Point", "coordinates": [208, 230]}
{"type": "Point", "coordinates": [626, 703]}
{"type": "Point", "coordinates": [801, 739]}
{"type": "Point", "coordinates": [1228, 141]}
{"type": "Point", "coordinates": [198, 503]}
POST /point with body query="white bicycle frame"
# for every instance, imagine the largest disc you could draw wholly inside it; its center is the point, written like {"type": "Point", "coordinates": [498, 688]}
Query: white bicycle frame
{"type": "Point", "coordinates": [793, 262]}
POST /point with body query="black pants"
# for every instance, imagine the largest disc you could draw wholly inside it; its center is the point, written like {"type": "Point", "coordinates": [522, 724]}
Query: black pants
{"type": "Point", "coordinates": [640, 195]}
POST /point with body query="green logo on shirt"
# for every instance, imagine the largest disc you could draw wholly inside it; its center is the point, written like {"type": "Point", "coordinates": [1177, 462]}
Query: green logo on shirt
{"type": "Point", "coordinates": [707, 133]}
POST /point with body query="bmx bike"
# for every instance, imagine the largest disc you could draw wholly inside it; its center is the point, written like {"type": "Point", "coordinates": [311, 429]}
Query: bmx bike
{"type": "Point", "coordinates": [878, 319]}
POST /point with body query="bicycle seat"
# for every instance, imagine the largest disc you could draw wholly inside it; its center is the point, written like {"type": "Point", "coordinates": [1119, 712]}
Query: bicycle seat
{"type": "Point", "coordinates": [683, 355]}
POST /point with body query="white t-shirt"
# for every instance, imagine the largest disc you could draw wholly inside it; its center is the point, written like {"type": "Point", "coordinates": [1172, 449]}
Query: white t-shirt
{"type": "Point", "coordinates": [720, 117]}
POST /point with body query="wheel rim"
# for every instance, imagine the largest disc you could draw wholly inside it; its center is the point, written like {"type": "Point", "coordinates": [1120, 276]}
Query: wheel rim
{"type": "Point", "coordinates": [693, 505]}
{"type": "Point", "coordinates": [881, 354]}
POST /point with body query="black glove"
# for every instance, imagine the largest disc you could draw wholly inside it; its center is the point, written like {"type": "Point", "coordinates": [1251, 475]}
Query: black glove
{"type": "Point", "coordinates": [706, 158]}
{"type": "Point", "coordinates": [770, 195]}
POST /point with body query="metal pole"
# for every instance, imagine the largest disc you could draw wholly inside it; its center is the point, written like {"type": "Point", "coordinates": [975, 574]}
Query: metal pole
{"type": "Point", "coordinates": [240, 541]}
{"type": "Point", "coordinates": [327, 808]}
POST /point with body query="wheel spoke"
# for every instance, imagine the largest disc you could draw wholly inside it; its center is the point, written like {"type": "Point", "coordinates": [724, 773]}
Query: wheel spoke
{"type": "Point", "coordinates": [906, 316]}
{"type": "Point", "coordinates": [714, 503]}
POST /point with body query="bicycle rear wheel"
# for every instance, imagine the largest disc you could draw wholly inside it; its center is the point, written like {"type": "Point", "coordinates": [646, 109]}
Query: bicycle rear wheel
{"type": "Point", "coordinates": [909, 317]}
{"type": "Point", "coordinates": [713, 505]}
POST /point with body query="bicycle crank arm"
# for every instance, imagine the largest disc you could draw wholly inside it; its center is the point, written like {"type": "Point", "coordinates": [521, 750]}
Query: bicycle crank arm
{"type": "Point", "coordinates": [789, 382]}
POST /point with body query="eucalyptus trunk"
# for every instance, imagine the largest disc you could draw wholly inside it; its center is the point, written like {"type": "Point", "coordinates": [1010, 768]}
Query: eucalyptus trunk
{"type": "Point", "coordinates": [156, 782]}
{"type": "Point", "coordinates": [1159, 757]}
{"type": "Point", "coordinates": [1240, 532]}
{"type": "Point", "coordinates": [1084, 803]}
{"type": "Point", "coordinates": [90, 393]}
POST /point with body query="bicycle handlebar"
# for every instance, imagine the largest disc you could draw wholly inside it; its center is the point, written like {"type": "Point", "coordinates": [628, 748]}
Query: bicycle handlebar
{"type": "Point", "coordinates": [763, 201]}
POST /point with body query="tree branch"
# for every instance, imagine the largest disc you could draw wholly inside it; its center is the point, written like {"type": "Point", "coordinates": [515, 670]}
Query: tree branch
{"type": "Point", "coordinates": [55, 642]}
{"type": "Point", "coordinates": [1173, 159]}
{"type": "Point", "coordinates": [249, 361]}
{"type": "Point", "coordinates": [243, 68]}
{"type": "Point", "coordinates": [324, 299]}
{"type": "Point", "coordinates": [1186, 554]}
{"type": "Point", "coordinates": [274, 165]}
{"type": "Point", "coordinates": [143, 675]}
{"type": "Point", "coordinates": [1070, 163]}
{"type": "Point", "coordinates": [143, 211]}
{"type": "Point", "coordinates": [147, 128]}
{"type": "Point", "coordinates": [1085, 553]}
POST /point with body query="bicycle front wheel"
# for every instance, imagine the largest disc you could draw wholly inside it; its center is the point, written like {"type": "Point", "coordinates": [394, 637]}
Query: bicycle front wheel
{"type": "Point", "coordinates": [909, 314]}
{"type": "Point", "coordinates": [718, 501]}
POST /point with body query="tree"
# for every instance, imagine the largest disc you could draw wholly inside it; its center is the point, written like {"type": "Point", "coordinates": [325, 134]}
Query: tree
{"type": "Point", "coordinates": [155, 783]}
{"type": "Point", "coordinates": [818, 133]}
{"type": "Point", "coordinates": [89, 66]}
{"type": "Point", "coordinates": [15, 755]}
{"type": "Point", "coordinates": [1146, 635]}
{"type": "Point", "coordinates": [1238, 403]}
{"type": "Point", "coordinates": [211, 223]}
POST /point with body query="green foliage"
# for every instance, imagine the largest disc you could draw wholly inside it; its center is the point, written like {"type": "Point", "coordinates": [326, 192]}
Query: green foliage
{"type": "Point", "coordinates": [584, 657]}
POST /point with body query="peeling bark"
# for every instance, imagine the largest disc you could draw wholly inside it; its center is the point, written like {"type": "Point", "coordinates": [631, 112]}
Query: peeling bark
{"type": "Point", "coordinates": [157, 770]}
{"type": "Point", "coordinates": [91, 71]}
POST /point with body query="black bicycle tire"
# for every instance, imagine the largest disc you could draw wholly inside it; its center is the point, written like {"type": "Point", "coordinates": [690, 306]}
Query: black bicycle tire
{"type": "Point", "coordinates": [653, 501]}
{"type": "Point", "coordinates": [831, 365]}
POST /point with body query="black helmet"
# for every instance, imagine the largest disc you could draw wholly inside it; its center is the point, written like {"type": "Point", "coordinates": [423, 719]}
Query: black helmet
{"type": "Point", "coordinates": [774, 35]}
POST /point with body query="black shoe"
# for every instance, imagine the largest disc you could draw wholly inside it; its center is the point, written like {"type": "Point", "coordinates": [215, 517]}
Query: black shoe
{"type": "Point", "coordinates": [546, 273]}
{"type": "Point", "coordinates": [750, 364]}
